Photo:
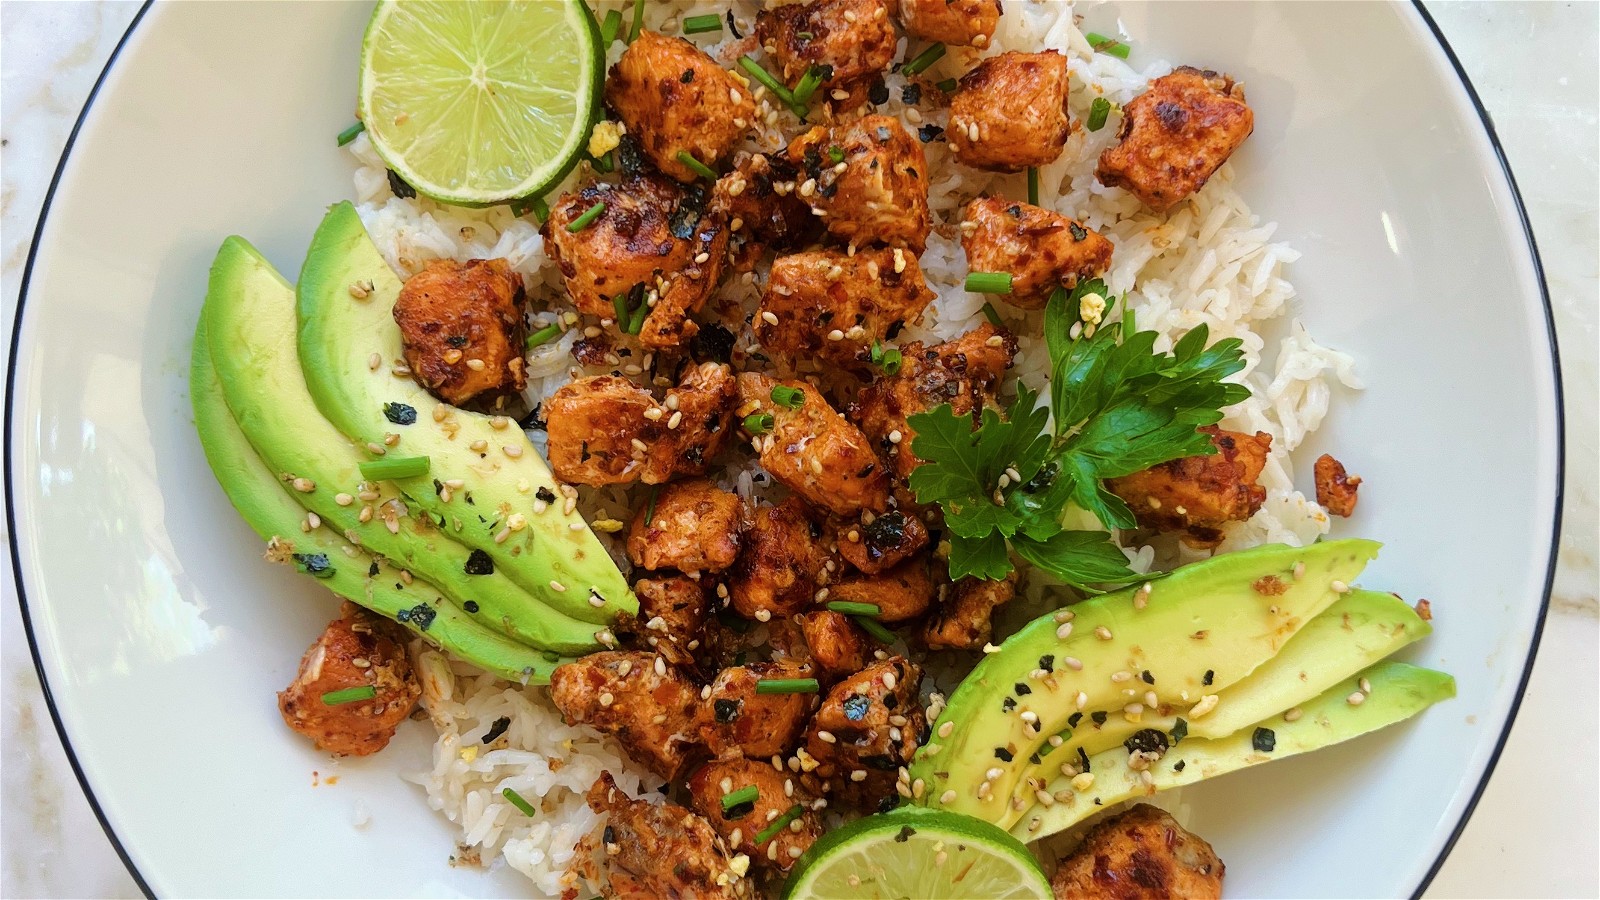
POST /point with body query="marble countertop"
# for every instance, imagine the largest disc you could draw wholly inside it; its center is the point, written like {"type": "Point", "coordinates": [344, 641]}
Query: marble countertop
{"type": "Point", "coordinates": [1534, 65]}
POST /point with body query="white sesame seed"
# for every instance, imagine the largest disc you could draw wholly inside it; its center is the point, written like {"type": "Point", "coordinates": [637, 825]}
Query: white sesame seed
{"type": "Point", "coordinates": [303, 485]}
{"type": "Point", "coordinates": [827, 737]}
{"type": "Point", "coordinates": [557, 586]}
{"type": "Point", "coordinates": [606, 699]}
{"type": "Point", "coordinates": [769, 317]}
{"type": "Point", "coordinates": [1082, 700]}
{"type": "Point", "coordinates": [858, 775]}
{"type": "Point", "coordinates": [947, 798]}
{"type": "Point", "coordinates": [1102, 632]}
{"type": "Point", "coordinates": [1074, 663]}
{"type": "Point", "coordinates": [763, 615]}
{"type": "Point", "coordinates": [1356, 699]}
{"type": "Point", "coordinates": [1207, 704]}
{"type": "Point", "coordinates": [675, 421]}
{"type": "Point", "coordinates": [895, 436]}
{"type": "Point", "coordinates": [343, 499]}
{"type": "Point", "coordinates": [1299, 569]}
{"type": "Point", "coordinates": [1064, 615]}
{"type": "Point", "coordinates": [1083, 781]}
{"type": "Point", "coordinates": [1063, 630]}
{"type": "Point", "coordinates": [374, 361]}
{"type": "Point", "coordinates": [1293, 714]}
{"type": "Point", "coordinates": [476, 365]}
{"type": "Point", "coordinates": [1339, 587]}
{"type": "Point", "coordinates": [1121, 676]}
{"type": "Point", "coordinates": [701, 257]}
{"type": "Point", "coordinates": [889, 680]}
{"type": "Point", "coordinates": [512, 450]}
{"type": "Point", "coordinates": [1151, 700]}
{"type": "Point", "coordinates": [501, 535]}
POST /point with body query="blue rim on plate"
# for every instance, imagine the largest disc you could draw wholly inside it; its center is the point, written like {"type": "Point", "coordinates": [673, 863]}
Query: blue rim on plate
{"type": "Point", "coordinates": [1516, 700]}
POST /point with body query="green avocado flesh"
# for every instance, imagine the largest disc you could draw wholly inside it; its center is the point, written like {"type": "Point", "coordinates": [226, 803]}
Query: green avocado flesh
{"type": "Point", "coordinates": [555, 558]}
{"type": "Point", "coordinates": [1195, 632]}
{"type": "Point", "coordinates": [1398, 691]}
{"type": "Point", "coordinates": [273, 512]}
{"type": "Point", "coordinates": [1359, 629]}
{"type": "Point", "coordinates": [249, 319]}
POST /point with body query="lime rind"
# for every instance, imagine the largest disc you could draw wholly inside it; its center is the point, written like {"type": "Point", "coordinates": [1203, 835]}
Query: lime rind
{"type": "Point", "coordinates": [476, 103]}
{"type": "Point", "coordinates": [920, 853]}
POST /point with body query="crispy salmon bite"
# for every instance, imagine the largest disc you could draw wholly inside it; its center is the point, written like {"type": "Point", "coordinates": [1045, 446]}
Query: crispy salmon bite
{"type": "Point", "coordinates": [645, 249]}
{"type": "Point", "coordinates": [354, 687]}
{"type": "Point", "coordinates": [848, 40]}
{"type": "Point", "coordinates": [834, 306]}
{"type": "Point", "coordinates": [693, 526]}
{"type": "Point", "coordinates": [811, 449]}
{"type": "Point", "coordinates": [1176, 135]}
{"type": "Point", "coordinates": [675, 99]}
{"type": "Point", "coordinates": [962, 23]}
{"type": "Point", "coordinates": [1142, 854]}
{"type": "Point", "coordinates": [1197, 495]}
{"type": "Point", "coordinates": [1040, 249]}
{"type": "Point", "coordinates": [868, 180]}
{"type": "Point", "coordinates": [1010, 112]}
{"type": "Point", "coordinates": [461, 330]}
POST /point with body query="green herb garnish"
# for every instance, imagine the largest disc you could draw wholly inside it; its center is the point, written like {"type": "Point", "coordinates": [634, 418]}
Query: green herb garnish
{"type": "Point", "coordinates": [948, 85]}
{"type": "Point", "coordinates": [989, 282]}
{"type": "Point", "coordinates": [746, 794]}
{"type": "Point", "coordinates": [889, 359]}
{"type": "Point", "coordinates": [875, 628]}
{"type": "Point", "coordinates": [786, 686]}
{"type": "Point", "coordinates": [542, 336]}
{"type": "Point", "coordinates": [758, 423]}
{"type": "Point", "coordinates": [924, 59]}
{"type": "Point", "coordinates": [696, 166]}
{"type": "Point", "coordinates": [650, 508]}
{"type": "Point", "coordinates": [779, 824]}
{"type": "Point", "coordinates": [836, 154]}
{"type": "Point", "coordinates": [790, 397]}
{"type": "Point", "coordinates": [1098, 110]}
{"type": "Point", "coordinates": [1033, 183]}
{"type": "Point", "coordinates": [1103, 44]}
{"type": "Point", "coordinates": [589, 215]}
{"type": "Point", "coordinates": [394, 467]}
{"type": "Point", "coordinates": [349, 695]}
{"type": "Point", "coordinates": [1116, 407]}
{"type": "Point", "coordinates": [610, 27]}
{"type": "Point", "coordinates": [702, 24]}
{"type": "Point", "coordinates": [869, 610]}
{"type": "Point", "coordinates": [808, 84]}
{"type": "Point", "coordinates": [993, 315]}
{"type": "Point", "coordinates": [638, 21]}
{"type": "Point", "coordinates": [349, 134]}
{"type": "Point", "coordinates": [518, 802]}
{"type": "Point", "coordinates": [535, 205]}
{"type": "Point", "coordinates": [778, 89]}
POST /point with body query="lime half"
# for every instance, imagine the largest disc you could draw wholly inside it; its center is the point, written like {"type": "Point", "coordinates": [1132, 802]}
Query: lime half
{"type": "Point", "coordinates": [476, 102]}
{"type": "Point", "coordinates": [917, 853]}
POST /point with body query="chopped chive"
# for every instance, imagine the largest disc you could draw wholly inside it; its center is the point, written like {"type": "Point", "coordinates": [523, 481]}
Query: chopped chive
{"type": "Point", "coordinates": [786, 686]}
{"type": "Point", "coordinates": [778, 89]}
{"type": "Point", "coordinates": [535, 205]}
{"type": "Point", "coordinates": [1098, 110]}
{"type": "Point", "coordinates": [696, 166]}
{"type": "Point", "coordinates": [1129, 324]}
{"type": "Point", "coordinates": [349, 695]}
{"type": "Point", "coordinates": [349, 134]}
{"type": "Point", "coordinates": [808, 84]}
{"type": "Point", "coordinates": [758, 423]}
{"type": "Point", "coordinates": [610, 27]}
{"type": "Point", "coordinates": [1103, 44]}
{"type": "Point", "coordinates": [993, 315]}
{"type": "Point", "coordinates": [542, 336]}
{"type": "Point", "coordinates": [702, 24]}
{"type": "Point", "coordinates": [948, 85]}
{"type": "Point", "coordinates": [638, 21]}
{"type": "Point", "coordinates": [746, 794]}
{"type": "Point", "coordinates": [870, 610]}
{"type": "Point", "coordinates": [636, 323]}
{"type": "Point", "coordinates": [395, 467]}
{"type": "Point", "coordinates": [889, 359]}
{"type": "Point", "coordinates": [836, 154]}
{"type": "Point", "coordinates": [924, 59]}
{"type": "Point", "coordinates": [875, 628]}
{"type": "Point", "coordinates": [602, 163]}
{"type": "Point", "coordinates": [518, 802]}
{"type": "Point", "coordinates": [989, 282]}
{"type": "Point", "coordinates": [779, 824]}
{"type": "Point", "coordinates": [793, 398]}
{"type": "Point", "coordinates": [1033, 185]}
{"type": "Point", "coordinates": [589, 215]}
{"type": "Point", "coordinates": [650, 508]}
{"type": "Point", "coordinates": [619, 304]}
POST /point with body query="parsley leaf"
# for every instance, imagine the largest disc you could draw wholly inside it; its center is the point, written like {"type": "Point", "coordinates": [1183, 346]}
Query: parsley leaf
{"type": "Point", "coordinates": [1117, 406]}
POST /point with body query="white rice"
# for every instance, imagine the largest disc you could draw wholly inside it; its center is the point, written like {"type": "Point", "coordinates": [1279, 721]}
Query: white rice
{"type": "Point", "coordinates": [1212, 261]}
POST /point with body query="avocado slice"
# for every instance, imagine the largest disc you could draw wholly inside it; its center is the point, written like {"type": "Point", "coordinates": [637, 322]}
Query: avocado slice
{"type": "Point", "coordinates": [1359, 629]}
{"type": "Point", "coordinates": [1197, 631]}
{"type": "Point", "coordinates": [270, 508]}
{"type": "Point", "coordinates": [556, 558]}
{"type": "Point", "coordinates": [1399, 691]}
{"type": "Point", "coordinates": [249, 315]}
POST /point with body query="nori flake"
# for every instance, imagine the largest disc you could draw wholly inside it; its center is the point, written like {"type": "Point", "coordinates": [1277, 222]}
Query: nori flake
{"type": "Point", "coordinates": [545, 494]}
{"type": "Point", "coordinates": [905, 834]}
{"type": "Point", "coordinates": [1083, 759]}
{"type": "Point", "coordinates": [314, 564]}
{"type": "Point", "coordinates": [1077, 231]}
{"type": "Point", "coordinates": [1147, 677]}
{"type": "Point", "coordinates": [856, 706]}
{"type": "Point", "coordinates": [479, 563]}
{"type": "Point", "coordinates": [1209, 677]}
{"type": "Point", "coordinates": [930, 133]}
{"type": "Point", "coordinates": [1180, 730]}
{"type": "Point", "coordinates": [1003, 754]}
{"type": "Point", "coordinates": [712, 343]}
{"type": "Point", "coordinates": [400, 188]}
{"type": "Point", "coordinates": [400, 413]}
{"type": "Point", "coordinates": [498, 728]}
{"type": "Point", "coordinates": [1021, 689]}
{"type": "Point", "coordinates": [1047, 662]}
{"type": "Point", "coordinates": [470, 606]}
{"type": "Point", "coordinates": [1264, 740]}
{"type": "Point", "coordinates": [726, 710]}
{"type": "Point", "coordinates": [420, 615]}
{"type": "Point", "coordinates": [1146, 740]}
{"type": "Point", "coordinates": [1098, 717]}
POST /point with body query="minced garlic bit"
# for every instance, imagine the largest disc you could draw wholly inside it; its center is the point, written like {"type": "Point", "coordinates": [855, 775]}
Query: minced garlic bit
{"type": "Point", "coordinates": [605, 137]}
{"type": "Point", "coordinates": [1091, 307]}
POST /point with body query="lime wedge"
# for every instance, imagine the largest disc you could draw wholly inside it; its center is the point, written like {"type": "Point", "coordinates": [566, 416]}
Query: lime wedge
{"type": "Point", "coordinates": [919, 853]}
{"type": "Point", "coordinates": [477, 102]}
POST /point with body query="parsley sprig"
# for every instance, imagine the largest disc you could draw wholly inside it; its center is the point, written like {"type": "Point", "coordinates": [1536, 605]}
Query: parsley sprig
{"type": "Point", "coordinates": [1116, 407]}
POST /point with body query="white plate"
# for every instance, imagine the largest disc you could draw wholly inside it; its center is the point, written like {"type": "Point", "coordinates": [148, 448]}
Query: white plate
{"type": "Point", "coordinates": [162, 636]}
